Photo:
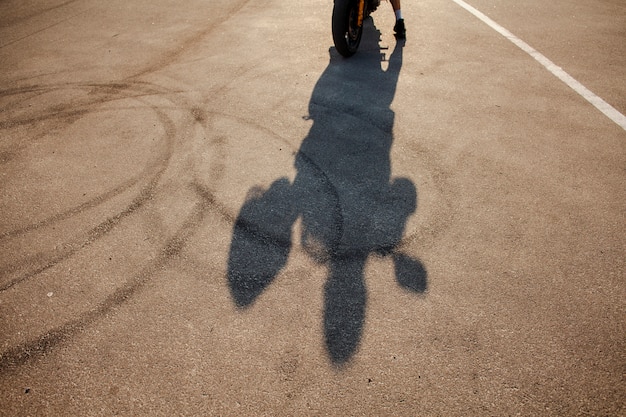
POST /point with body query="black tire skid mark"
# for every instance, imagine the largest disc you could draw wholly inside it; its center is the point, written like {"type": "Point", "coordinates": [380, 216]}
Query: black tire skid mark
{"type": "Point", "coordinates": [45, 28]}
{"type": "Point", "coordinates": [145, 195]}
{"type": "Point", "coordinates": [167, 58]}
{"type": "Point", "coordinates": [59, 113]}
{"type": "Point", "coordinates": [20, 355]}
{"type": "Point", "coordinates": [154, 171]}
{"type": "Point", "coordinates": [19, 96]}
{"type": "Point", "coordinates": [97, 102]}
{"type": "Point", "coordinates": [41, 11]}
{"type": "Point", "coordinates": [98, 93]}
{"type": "Point", "coordinates": [17, 356]}
{"type": "Point", "coordinates": [67, 113]}
{"type": "Point", "coordinates": [103, 228]}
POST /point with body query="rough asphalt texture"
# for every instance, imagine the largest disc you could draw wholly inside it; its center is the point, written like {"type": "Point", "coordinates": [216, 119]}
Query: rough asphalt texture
{"type": "Point", "coordinates": [206, 211]}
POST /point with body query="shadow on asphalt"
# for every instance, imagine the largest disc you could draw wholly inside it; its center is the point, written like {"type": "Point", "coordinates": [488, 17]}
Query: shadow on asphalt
{"type": "Point", "coordinates": [349, 204]}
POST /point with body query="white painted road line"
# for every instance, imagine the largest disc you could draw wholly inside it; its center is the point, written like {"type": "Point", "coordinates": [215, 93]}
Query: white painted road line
{"type": "Point", "coordinates": [592, 98]}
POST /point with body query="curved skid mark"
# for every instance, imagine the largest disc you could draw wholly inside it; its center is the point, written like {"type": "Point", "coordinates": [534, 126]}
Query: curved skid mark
{"type": "Point", "coordinates": [102, 198]}
{"type": "Point", "coordinates": [16, 102]}
{"type": "Point", "coordinates": [250, 122]}
{"type": "Point", "coordinates": [157, 161]}
{"type": "Point", "coordinates": [145, 195]}
{"type": "Point", "coordinates": [93, 235]}
{"type": "Point", "coordinates": [58, 112]}
{"type": "Point", "coordinates": [42, 11]}
{"type": "Point", "coordinates": [20, 355]}
{"type": "Point", "coordinates": [45, 28]}
{"type": "Point", "coordinates": [170, 56]}
{"type": "Point", "coordinates": [103, 93]}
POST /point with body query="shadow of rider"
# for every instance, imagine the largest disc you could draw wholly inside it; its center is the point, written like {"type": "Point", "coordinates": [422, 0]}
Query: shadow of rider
{"type": "Point", "coordinates": [350, 206]}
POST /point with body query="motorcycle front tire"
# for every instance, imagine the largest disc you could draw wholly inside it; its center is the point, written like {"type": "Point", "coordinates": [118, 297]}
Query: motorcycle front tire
{"type": "Point", "coordinates": [346, 30]}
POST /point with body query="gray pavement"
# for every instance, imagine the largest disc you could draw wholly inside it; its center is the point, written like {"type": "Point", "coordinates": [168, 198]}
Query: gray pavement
{"type": "Point", "coordinates": [206, 211]}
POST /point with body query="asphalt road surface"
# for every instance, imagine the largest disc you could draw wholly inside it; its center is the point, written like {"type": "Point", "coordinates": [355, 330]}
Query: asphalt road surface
{"type": "Point", "coordinates": [205, 210]}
